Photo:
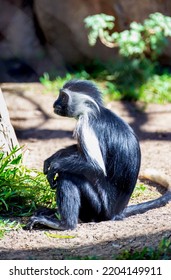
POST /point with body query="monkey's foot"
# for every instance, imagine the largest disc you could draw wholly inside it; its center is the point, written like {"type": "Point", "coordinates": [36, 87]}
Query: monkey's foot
{"type": "Point", "coordinates": [42, 220]}
{"type": "Point", "coordinates": [49, 218]}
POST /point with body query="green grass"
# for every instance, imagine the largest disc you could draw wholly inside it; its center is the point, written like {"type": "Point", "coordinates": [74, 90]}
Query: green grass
{"type": "Point", "coordinates": [22, 190]}
{"type": "Point", "coordinates": [7, 225]}
{"type": "Point", "coordinates": [143, 192]}
{"type": "Point", "coordinates": [140, 190]}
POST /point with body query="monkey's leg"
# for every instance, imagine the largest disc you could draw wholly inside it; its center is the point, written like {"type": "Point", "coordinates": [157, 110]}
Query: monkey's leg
{"type": "Point", "coordinates": [68, 201]}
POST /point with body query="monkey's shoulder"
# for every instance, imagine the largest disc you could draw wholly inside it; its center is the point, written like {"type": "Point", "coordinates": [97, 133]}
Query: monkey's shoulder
{"type": "Point", "coordinates": [110, 119]}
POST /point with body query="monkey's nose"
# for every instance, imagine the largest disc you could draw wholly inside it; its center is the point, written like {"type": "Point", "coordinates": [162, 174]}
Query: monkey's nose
{"type": "Point", "coordinates": [57, 109]}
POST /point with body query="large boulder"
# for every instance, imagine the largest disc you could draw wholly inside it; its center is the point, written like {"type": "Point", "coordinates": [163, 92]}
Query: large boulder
{"type": "Point", "coordinates": [64, 30]}
{"type": "Point", "coordinates": [22, 57]}
{"type": "Point", "coordinates": [127, 11]}
{"type": "Point", "coordinates": [66, 37]}
{"type": "Point", "coordinates": [46, 36]}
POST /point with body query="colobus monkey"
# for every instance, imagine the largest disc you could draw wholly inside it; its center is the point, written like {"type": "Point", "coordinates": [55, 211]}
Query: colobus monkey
{"type": "Point", "coordinates": [96, 176]}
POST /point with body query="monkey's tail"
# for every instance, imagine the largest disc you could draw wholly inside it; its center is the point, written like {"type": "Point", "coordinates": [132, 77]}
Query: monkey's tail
{"type": "Point", "coordinates": [159, 178]}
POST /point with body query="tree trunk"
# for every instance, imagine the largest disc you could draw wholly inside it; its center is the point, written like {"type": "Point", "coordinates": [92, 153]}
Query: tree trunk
{"type": "Point", "coordinates": [8, 139]}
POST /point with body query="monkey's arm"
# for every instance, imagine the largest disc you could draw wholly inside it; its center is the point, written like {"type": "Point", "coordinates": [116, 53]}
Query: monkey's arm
{"type": "Point", "coordinates": [63, 153]}
{"type": "Point", "coordinates": [74, 164]}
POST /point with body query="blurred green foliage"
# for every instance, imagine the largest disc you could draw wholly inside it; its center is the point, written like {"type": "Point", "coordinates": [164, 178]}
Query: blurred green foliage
{"type": "Point", "coordinates": [56, 84]}
{"type": "Point", "coordinates": [157, 89]}
{"type": "Point", "coordinates": [124, 79]}
{"type": "Point", "coordinates": [137, 74]}
{"type": "Point", "coordinates": [141, 40]}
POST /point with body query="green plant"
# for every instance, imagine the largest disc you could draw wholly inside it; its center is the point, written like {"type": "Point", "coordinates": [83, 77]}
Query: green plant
{"type": "Point", "coordinates": [156, 89]}
{"type": "Point", "coordinates": [139, 190]}
{"type": "Point", "coordinates": [99, 27]}
{"type": "Point", "coordinates": [22, 189]}
{"type": "Point", "coordinates": [163, 251]}
{"type": "Point", "coordinates": [56, 84]}
{"type": "Point", "coordinates": [146, 40]}
{"type": "Point", "coordinates": [128, 75]}
{"type": "Point", "coordinates": [135, 74]}
{"type": "Point", "coordinates": [7, 225]}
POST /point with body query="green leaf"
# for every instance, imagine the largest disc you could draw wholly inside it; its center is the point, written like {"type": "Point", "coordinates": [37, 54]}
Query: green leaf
{"type": "Point", "coordinates": [53, 235]}
{"type": "Point", "coordinates": [17, 160]}
{"type": "Point", "coordinates": [136, 26]}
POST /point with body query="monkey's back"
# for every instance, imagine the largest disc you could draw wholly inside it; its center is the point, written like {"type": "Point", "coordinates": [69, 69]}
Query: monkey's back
{"type": "Point", "coordinates": [120, 149]}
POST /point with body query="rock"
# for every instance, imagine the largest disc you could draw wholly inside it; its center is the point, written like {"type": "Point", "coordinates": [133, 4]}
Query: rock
{"type": "Point", "coordinates": [62, 24]}
{"type": "Point", "coordinates": [64, 30]}
{"type": "Point", "coordinates": [49, 36]}
{"type": "Point", "coordinates": [21, 54]}
{"type": "Point", "coordinates": [132, 10]}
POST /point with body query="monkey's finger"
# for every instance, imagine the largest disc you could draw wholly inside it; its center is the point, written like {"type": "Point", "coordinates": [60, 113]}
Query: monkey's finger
{"type": "Point", "coordinates": [46, 167]}
{"type": "Point", "coordinates": [51, 177]}
{"type": "Point", "coordinates": [30, 224]}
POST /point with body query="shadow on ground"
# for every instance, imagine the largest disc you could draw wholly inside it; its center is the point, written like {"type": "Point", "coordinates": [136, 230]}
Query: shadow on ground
{"type": "Point", "coordinates": [102, 250]}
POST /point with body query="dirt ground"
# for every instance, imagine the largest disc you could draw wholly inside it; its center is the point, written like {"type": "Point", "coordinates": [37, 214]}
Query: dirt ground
{"type": "Point", "coordinates": [43, 132]}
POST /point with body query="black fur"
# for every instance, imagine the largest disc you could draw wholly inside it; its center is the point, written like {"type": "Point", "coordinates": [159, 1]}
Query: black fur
{"type": "Point", "coordinates": [86, 87]}
{"type": "Point", "coordinates": [83, 189]}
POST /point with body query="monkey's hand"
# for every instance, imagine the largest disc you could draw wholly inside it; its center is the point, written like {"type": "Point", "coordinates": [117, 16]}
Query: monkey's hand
{"type": "Point", "coordinates": [52, 174]}
{"type": "Point", "coordinates": [46, 166]}
{"type": "Point", "coordinates": [51, 162]}
{"type": "Point", "coordinates": [58, 156]}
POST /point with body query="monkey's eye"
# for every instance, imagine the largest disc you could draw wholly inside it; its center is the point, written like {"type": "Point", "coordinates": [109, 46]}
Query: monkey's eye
{"type": "Point", "coordinates": [64, 98]}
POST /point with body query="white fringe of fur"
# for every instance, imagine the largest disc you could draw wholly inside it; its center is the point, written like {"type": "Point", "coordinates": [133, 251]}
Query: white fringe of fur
{"type": "Point", "coordinates": [91, 142]}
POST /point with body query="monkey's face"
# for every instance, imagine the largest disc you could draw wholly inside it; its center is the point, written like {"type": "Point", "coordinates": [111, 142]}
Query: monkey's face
{"type": "Point", "coordinates": [61, 104]}
{"type": "Point", "coordinates": [73, 104]}
{"type": "Point", "coordinates": [70, 104]}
